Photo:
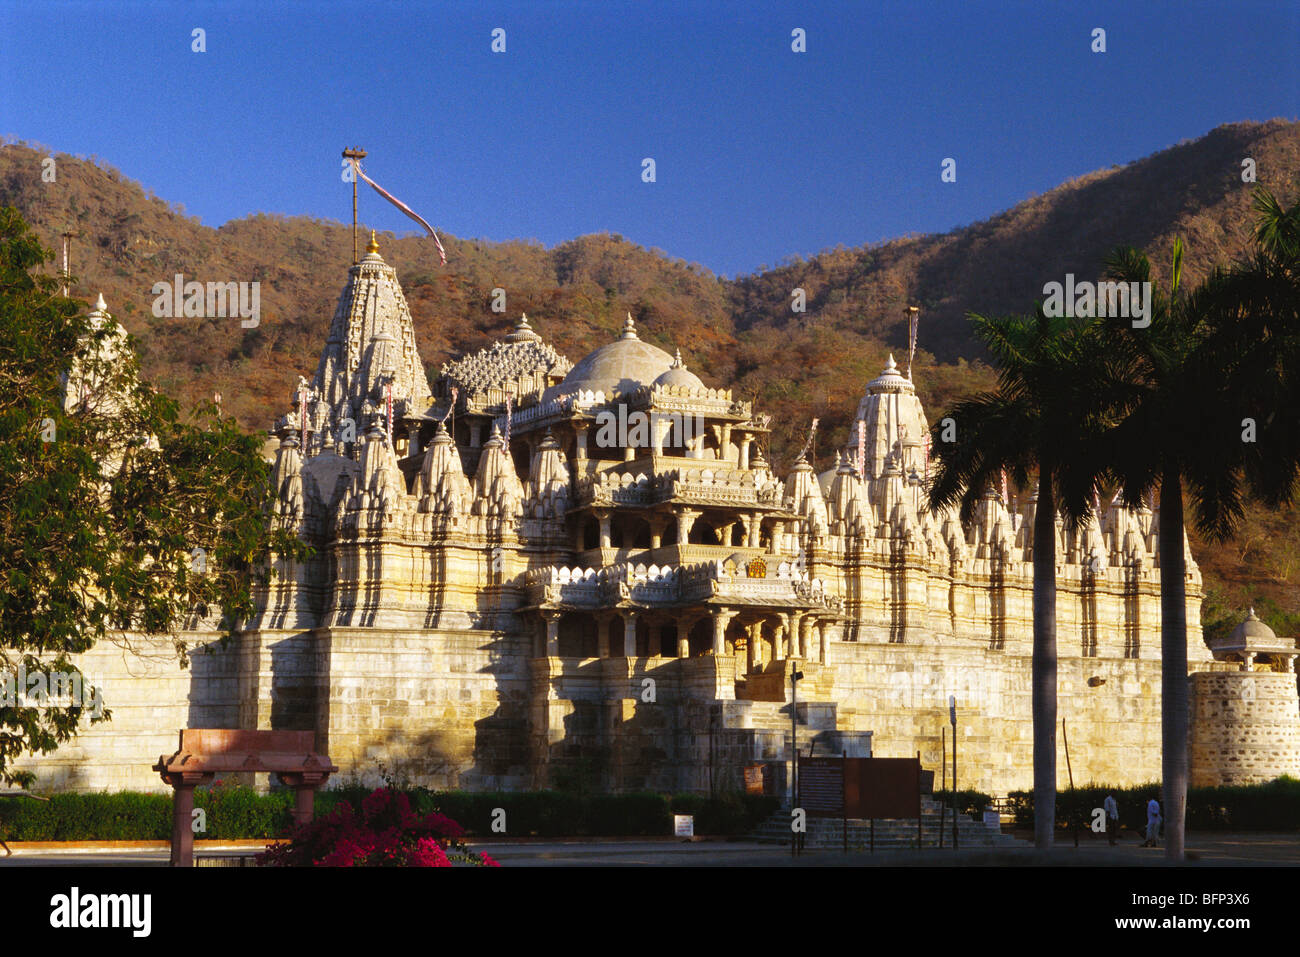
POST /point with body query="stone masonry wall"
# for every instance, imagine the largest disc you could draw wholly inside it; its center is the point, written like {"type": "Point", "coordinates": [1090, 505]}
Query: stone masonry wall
{"type": "Point", "coordinates": [1245, 727]}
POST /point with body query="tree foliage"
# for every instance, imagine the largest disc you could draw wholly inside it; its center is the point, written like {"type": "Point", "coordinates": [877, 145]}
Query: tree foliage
{"type": "Point", "coordinates": [119, 519]}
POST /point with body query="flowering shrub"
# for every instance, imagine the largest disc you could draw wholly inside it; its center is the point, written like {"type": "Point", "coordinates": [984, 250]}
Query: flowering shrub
{"type": "Point", "coordinates": [385, 833]}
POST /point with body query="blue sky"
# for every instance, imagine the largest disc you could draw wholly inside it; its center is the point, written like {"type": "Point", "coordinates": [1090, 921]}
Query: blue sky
{"type": "Point", "coordinates": [760, 152]}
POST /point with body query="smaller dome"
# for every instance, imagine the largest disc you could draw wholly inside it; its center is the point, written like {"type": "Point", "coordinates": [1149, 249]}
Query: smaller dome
{"type": "Point", "coordinates": [678, 377]}
{"type": "Point", "coordinates": [1252, 636]}
{"type": "Point", "coordinates": [1252, 631]}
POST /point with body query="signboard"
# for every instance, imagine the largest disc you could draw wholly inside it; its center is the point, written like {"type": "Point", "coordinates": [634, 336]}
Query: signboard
{"type": "Point", "coordinates": [821, 786]}
{"type": "Point", "coordinates": [684, 825]}
{"type": "Point", "coordinates": [860, 788]}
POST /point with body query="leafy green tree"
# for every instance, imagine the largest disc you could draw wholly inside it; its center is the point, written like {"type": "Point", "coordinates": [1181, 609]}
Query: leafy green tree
{"type": "Point", "coordinates": [1050, 393]}
{"type": "Point", "coordinates": [117, 517]}
{"type": "Point", "coordinates": [1209, 388]}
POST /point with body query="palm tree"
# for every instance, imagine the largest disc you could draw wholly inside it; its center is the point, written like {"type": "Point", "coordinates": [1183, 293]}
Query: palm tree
{"type": "Point", "coordinates": [1052, 389]}
{"type": "Point", "coordinates": [1199, 397]}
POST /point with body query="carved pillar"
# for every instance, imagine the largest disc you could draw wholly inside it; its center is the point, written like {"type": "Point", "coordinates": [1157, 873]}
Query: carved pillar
{"type": "Point", "coordinates": [657, 525]}
{"type": "Point", "coordinates": [552, 619]}
{"type": "Point", "coordinates": [602, 635]}
{"type": "Point", "coordinates": [604, 518]}
{"type": "Point", "coordinates": [780, 637]}
{"type": "Point", "coordinates": [580, 434]}
{"type": "Point", "coordinates": [685, 518]}
{"type": "Point", "coordinates": [724, 444]}
{"type": "Point", "coordinates": [753, 530]}
{"type": "Point", "coordinates": [823, 643]}
{"type": "Point", "coordinates": [629, 632]}
{"type": "Point", "coordinates": [778, 537]}
{"type": "Point", "coordinates": [745, 440]}
{"type": "Point", "coordinates": [721, 618]}
{"type": "Point", "coordinates": [799, 637]}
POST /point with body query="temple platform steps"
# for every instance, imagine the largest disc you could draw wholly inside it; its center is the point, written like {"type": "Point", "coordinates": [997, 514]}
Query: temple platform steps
{"type": "Point", "coordinates": [828, 833]}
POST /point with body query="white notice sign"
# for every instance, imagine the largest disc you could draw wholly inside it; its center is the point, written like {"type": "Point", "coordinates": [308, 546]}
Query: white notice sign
{"type": "Point", "coordinates": [684, 825]}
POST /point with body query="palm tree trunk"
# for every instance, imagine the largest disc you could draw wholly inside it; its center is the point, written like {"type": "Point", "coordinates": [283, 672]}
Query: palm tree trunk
{"type": "Point", "coordinates": [1173, 661]}
{"type": "Point", "coordinates": [1044, 662]}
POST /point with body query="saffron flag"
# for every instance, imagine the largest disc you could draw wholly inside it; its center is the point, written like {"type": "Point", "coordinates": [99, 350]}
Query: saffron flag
{"type": "Point", "coordinates": [450, 405]}
{"type": "Point", "coordinates": [812, 431]}
{"type": "Point", "coordinates": [356, 165]}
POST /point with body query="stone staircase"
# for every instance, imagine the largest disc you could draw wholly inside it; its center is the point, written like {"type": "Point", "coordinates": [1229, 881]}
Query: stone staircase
{"type": "Point", "coordinates": [826, 833]}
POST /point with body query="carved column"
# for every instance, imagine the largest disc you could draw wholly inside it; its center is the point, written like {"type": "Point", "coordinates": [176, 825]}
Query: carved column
{"type": "Point", "coordinates": [745, 439]}
{"type": "Point", "coordinates": [580, 433]}
{"type": "Point", "coordinates": [799, 636]}
{"type": "Point", "coordinates": [685, 518]}
{"type": "Point", "coordinates": [781, 638]}
{"type": "Point", "coordinates": [629, 632]}
{"type": "Point", "coordinates": [602, 635]}
{"type": "Point", "coordinates": [604, 518]}
{"type": "Point", "coordinates": [721, 618]}
{"type": "Point", "coordinates": [657, 525]}
{"type": "Point", "coordinates": [552, 619]}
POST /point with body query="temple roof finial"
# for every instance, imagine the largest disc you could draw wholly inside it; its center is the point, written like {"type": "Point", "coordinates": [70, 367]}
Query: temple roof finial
{"type": "Point", "coordinates": [629, 328]}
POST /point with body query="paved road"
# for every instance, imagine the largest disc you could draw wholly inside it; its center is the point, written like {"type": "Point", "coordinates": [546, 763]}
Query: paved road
{"type": "Point", "coordinates": [1218, 850]}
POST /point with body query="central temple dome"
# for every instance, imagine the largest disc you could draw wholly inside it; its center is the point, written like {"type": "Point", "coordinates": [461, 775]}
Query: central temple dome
{"type": "Point", "coordinates": [622, 367]}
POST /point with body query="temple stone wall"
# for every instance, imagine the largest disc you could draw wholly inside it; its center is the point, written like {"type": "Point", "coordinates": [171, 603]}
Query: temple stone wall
{"type": "Point", "coordinates": [1245, 727]}
{"type": "Point", "coordinates": [1111, 709]}
{"type": "Point", "coordinates": [436, 708]}
{"type": "Point", "coordinates": [151, 697]}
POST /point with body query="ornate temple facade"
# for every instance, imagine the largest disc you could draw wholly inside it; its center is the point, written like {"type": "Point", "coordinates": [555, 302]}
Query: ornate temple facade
{"type": "Point", "coordinates": [534, 573]}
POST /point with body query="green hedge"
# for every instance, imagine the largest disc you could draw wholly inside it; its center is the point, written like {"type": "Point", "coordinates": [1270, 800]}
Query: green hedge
{"type": "Point", "coordinates": [238, 812]}
{"type": "Point", "coordinates": [1274, 806]}
{"type": "Point", "coordinates": [969, 802]}
{"type": "Point", "coordinates": [232, 812]}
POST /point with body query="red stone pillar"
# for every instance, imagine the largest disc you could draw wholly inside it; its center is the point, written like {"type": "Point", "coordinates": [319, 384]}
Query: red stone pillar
{"type": "Point", "coordinates": [304, 801]}
{"type": "Point", "coordinates": [182, 824]}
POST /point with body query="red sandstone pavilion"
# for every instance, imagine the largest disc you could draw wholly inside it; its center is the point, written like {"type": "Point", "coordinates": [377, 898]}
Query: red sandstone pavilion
{"type": "Point", "coordinates": [500, 601]}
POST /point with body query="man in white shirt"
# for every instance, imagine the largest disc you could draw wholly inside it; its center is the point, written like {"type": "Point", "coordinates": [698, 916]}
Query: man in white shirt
{"type": "Point", "coordinates": [1112, 818]}
{"type": "Point", "coordinates": [1153, 823]}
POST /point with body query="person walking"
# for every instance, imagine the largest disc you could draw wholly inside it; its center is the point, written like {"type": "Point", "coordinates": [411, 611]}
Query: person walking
{"type": "Point", "coordinates": [1153, 823]}
{"type": "Point", "coordinates": [1112, 818]}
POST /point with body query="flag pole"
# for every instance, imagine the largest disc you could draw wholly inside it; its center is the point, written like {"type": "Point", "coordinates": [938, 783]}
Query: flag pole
{"type": "Point", "coordinates": [912, 315]}
{"type": "Point", "coordinates": [356, 154]}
